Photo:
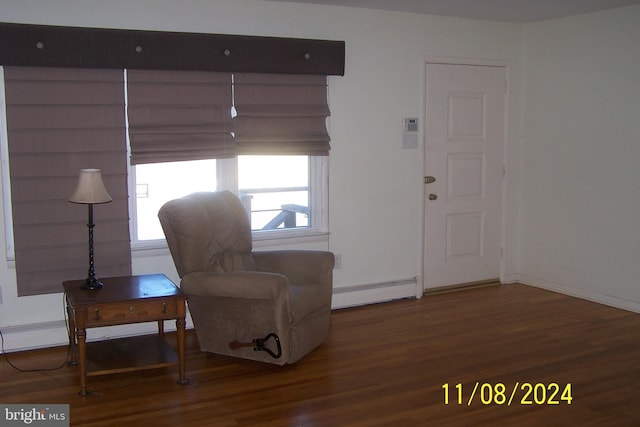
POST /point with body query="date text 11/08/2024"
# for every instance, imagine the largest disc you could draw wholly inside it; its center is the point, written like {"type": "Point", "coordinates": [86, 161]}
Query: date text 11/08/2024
{"type": "Point", "coordinates": [500, 394]}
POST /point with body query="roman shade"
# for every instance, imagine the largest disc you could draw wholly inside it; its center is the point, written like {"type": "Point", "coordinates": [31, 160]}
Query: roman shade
{"type": "Point", "coordinates": [179, 115]}
{"type": "Point", "coordinates": [281, 114]}
{"type": "Point", "coordinates": [60, 121]}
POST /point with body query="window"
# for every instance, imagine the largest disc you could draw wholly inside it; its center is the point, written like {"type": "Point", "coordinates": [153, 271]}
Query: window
{"type": "Point", "coordinates": [284, 195]}
{"type": "Point", "coordinates": [268, 132]}
{"type": "Point", "coordinates": [157, 183]}
{"type": "Point", "coordinates": [275, 189]}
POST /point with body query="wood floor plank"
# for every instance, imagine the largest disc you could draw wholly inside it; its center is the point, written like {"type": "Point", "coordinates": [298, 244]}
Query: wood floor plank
{"type": "Point", "coordinates": [384, 365]}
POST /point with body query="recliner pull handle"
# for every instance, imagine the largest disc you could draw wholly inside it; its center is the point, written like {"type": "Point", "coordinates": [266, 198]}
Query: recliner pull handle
{"type": "Point", "coordinates": [258, 344]}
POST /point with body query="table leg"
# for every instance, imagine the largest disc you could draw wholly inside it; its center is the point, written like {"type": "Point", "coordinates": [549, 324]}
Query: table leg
{"type": "Point", "coordinates": [72, 336]}
{"type": "Point", "coordinates": [180, 326]}
{"type": "Point", "coordinates": [161, 328]}
{"type": "Point", "coordinates": [82, 359]}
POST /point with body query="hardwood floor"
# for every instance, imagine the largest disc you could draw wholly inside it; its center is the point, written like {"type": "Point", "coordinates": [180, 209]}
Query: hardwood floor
{"type": "Point", "coordinates": [385, 365]}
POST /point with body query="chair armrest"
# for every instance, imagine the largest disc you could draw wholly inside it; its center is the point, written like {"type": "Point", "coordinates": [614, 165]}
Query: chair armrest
{"type": "Point", "coordinates": [241, 284]}
{"type": "Point", "coordinates": [299, 266]}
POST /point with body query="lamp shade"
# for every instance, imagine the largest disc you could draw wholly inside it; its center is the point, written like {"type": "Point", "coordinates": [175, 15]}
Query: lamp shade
{"type": "Point", "coordinates": [90, 188]}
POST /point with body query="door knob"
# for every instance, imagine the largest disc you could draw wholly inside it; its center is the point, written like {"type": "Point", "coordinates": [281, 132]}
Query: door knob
{"type": "Point", "coordinates": [429, 179]}
{"type": "Point", "coordinates": [433, 196]}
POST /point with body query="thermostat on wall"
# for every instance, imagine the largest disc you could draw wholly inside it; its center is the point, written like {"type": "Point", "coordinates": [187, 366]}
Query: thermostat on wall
{"type": "Point", "coordinates": [410, 133]}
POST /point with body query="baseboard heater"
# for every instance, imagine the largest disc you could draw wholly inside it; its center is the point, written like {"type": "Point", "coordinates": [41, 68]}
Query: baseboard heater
{"type": "Point", "coordinates": [33, 336]}
{"type": "Point", "coordinates": [372, 293]}
{"type": "Point", "coordinates": [54, 333]}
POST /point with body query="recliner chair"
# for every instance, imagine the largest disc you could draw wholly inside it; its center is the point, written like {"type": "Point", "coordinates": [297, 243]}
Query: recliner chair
{"type": "Point", "coordinates": [271, 306]}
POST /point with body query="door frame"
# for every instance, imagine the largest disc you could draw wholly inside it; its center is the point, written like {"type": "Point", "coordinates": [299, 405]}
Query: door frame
{"type": "Point", "coordinates": [498, 63]}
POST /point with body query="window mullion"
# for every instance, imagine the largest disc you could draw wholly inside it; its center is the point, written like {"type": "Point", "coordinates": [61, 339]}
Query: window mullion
{"type": "Point", "coordinates": [228, 174]}
{"type": "Point", "coordinates": [319, 188]}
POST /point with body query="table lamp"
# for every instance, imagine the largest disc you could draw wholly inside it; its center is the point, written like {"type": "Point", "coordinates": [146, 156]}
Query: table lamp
{"type": "Point", "coordinates": [90, 191]}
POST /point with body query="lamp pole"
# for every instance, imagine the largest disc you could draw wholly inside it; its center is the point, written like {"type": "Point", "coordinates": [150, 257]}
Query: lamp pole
{"type": "Point", "coordinates": [92, 282]}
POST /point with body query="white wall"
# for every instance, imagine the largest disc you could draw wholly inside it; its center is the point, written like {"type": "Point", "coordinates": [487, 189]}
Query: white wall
{"type": "Point", "coordinates": [580, 206]}
{"type": "Point", "coordinates": [375, 186]}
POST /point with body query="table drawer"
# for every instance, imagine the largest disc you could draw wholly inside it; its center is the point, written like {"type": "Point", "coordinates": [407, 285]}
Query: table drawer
{"type": "Point", "coordinates": [138, 311]}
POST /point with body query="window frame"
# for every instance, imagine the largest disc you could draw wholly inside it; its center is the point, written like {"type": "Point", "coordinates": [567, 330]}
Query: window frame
{"type": "Point", "coordinates": [227, 179]}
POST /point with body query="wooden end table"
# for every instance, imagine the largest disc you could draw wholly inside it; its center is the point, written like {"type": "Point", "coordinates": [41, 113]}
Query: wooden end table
{"type": "Point", "coordinates": [125, 300]}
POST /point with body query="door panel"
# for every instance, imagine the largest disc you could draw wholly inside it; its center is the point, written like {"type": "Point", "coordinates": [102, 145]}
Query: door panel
{"type": "Point", "coordinates": [464, 152]}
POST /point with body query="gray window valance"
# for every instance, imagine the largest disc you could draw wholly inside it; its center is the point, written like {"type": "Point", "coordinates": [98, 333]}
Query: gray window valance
{"type": "Point", "coordinates": [78, 47]}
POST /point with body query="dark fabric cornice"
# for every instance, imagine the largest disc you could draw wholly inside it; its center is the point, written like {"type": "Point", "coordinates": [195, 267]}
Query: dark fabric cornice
{"type": "Point", "coordinates": [76, 47]}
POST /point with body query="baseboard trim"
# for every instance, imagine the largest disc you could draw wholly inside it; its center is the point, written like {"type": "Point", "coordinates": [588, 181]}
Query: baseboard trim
{"type": "Point", "coordinates": [372, 293]}
{"type": "Point", "coordinates": [462, 286]}
{"type": "Point", "coordinates": [574, 291]}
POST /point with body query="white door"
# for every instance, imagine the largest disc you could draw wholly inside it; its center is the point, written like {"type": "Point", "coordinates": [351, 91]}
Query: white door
{"type": "Point", "coordinates": [464, 154]}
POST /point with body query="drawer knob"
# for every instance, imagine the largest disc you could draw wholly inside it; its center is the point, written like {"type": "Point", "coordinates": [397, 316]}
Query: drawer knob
{"type": "Point", "coordinates": [97, 313]}
{"type": "Point", "coordinates": [164, 307]}
{"type": "Point", "coordinates": [132, 309]}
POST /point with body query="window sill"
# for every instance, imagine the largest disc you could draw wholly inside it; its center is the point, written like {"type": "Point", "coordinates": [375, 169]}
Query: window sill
{"type": "Point", "coordinates": [261, 240]}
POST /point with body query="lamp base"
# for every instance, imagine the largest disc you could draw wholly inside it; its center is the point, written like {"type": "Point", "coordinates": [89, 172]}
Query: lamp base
{"type": "Point", "coordinates": [91, 284]}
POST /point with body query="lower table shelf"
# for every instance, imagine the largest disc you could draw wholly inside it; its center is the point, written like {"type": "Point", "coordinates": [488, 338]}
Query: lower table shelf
{"type": "Point", "coordinates": [129, 354]}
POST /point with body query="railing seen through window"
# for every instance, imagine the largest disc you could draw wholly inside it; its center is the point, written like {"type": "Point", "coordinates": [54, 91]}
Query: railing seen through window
{"type": "Point", "coordinates": [275, 190]}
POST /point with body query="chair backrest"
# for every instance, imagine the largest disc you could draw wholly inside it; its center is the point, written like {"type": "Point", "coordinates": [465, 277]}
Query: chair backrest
{"type": "Point", "coordinates": [208, 232]}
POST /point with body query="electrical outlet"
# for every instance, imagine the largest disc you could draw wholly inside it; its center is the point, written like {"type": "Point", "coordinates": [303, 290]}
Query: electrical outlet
{"type": "Point", "coordinates": [338, 263]}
